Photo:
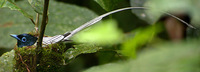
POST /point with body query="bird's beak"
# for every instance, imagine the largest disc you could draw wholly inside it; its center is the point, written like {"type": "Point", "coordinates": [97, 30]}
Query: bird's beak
{"type": "Point", "coordinates": [14, 36]}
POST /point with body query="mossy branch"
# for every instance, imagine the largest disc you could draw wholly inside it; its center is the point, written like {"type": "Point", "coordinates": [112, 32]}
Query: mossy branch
{"type": "Point", "coordinates": [42, 30]}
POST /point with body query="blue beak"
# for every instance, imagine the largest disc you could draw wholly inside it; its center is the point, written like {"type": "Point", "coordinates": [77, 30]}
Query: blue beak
{"type": "Point", "coordinates": [14, 36]}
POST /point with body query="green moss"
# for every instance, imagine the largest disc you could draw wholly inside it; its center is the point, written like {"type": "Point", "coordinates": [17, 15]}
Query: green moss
{"type": "Point", "coordinates": [51, 60]}
{"type": "Point", "coordinates": [6, 61]}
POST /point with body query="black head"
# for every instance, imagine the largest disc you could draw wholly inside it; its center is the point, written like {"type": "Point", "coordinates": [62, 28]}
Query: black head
{"type": "Point", "coordinates": [24, 39]}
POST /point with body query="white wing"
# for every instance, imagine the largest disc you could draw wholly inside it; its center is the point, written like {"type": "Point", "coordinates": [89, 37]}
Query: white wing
{"type": "Point", "coordinates": [52, 40]}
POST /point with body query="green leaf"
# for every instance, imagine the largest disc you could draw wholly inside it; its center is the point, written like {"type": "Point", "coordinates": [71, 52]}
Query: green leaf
{"type": "Point", "coordinates": [108, 5]}
{"type": "Point", "coordinates": [37, 5]}
{"type": "Point", "coordinates": [105, 33]}
{"type": "Point", "coordinates": [80, 49]}
{"type": "Point", "coordinates": [156, 9]}
{"type": "Point", "coordinates": [62, 18]}
{"type": "Point", "coordinates": [175, 6]}
{"type": "Point", "coordinates": [141, 37]}
{"type": "Point", "coordinates": [141, 13]}
{"type": "Point", "coordinates": [170, 57]}
{"type": "Point", "coordinates": [11, 4]}
{"type": "Point", "coordinates": [7, 62]}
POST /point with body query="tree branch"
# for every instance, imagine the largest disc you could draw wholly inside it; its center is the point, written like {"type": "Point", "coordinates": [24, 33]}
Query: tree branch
{"type": "Point", "coordinates": [42, 30]}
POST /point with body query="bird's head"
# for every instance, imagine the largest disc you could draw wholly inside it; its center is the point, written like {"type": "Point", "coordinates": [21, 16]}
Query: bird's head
{"type": "Point", "coordinates": [24, 39]}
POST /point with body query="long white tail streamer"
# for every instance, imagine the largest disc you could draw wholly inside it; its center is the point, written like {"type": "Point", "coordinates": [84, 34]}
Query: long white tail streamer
{"type": "Point", "coordinates": [97, 19]}
{"type": "Point", "coordinates": [68, 35]}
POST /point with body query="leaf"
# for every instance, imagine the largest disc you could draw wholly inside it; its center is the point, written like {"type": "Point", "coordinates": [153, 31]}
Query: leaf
{"type": "Point", "coordinates": [108, 5]}
{"type": "Point", "coordinates": [169, 57]}
{"type": "Point", "coordinates": [105, 33]}
{"type": "Point", "coordinates": [156, 9]}
{"type": "Point", "coordinates": [11, 4]}
{"type": "Point", "coordinates": [176, 6]}
{"type": "Point", "coordinates": [62, 18]}
{"type": "Point", "coordinates": [7, 62]}
{"type": "Point", "coordinates": [141, 37]}
{"type": "Point", "coordinates": [141, 13]}
{"type": "Point", "coordinates": [80, 49]}
{"type": "Point", "coordinates": [37, 5]}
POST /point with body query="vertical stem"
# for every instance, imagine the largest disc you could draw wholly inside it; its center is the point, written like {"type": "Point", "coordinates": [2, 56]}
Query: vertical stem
{"type": "Point", "coordinates": [37, 23]}
{"type": "Point", "coordinates": [42, 30]}
{"type": "Point", "coordinates": [44, 22]}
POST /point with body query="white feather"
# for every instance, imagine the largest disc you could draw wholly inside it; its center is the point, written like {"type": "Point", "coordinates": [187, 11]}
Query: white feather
{"type": "Point", "coordinates": [68, 35]}
{"type": "Point", "coordinates": [52, 40]}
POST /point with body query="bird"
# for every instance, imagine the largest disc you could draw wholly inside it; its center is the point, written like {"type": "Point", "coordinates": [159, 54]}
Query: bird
{"type": "Point", "coordinates": [51, 56]}
{"type": "Point", "coordinates": [29, 40]}
{"type": "Point", "coordinates": [24, 39]}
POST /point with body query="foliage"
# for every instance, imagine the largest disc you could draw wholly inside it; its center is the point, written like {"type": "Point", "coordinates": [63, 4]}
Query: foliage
{"type": "Point", "coordinates": [72, 53]}
{"type": "Point", "coordinates": [140, 38]}
{"type": "Point", "coordinates": [108, 5]}
{"type": "Point", "coordinates": [104, 33]}
{"type": "Point", "coordinates": [156, 9]}
{"type": "Point", "coordinates": [6, 61]}
{"type": "Point", "coordinates": [168, 57]}
{"type": "Point", "coordinates": [104, 40]}
{"type": "Point", "coordinates": [37, 5]}
{"type": "Point", "coordinates": [141, 13]}
{"type": "Point", "coordinates": [11, 4]}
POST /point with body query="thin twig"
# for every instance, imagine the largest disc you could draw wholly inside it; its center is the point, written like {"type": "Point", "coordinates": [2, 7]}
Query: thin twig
{"type": "Point", "coordinates": [32, 21]}
{"type": "Point", "coordinates": [23, 62]}
{"type": "Point", "coordinates": [37, 23]}
{"type": "Point", "coordinates": [118, 53]}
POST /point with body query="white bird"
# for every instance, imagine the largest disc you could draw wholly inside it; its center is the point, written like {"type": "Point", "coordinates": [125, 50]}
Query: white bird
{"type": "Point", "coordinates": [66, 36]}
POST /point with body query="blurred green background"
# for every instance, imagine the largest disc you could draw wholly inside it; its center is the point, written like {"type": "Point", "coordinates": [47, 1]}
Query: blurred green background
{"type": "Point", "coordinates": [139, 47]}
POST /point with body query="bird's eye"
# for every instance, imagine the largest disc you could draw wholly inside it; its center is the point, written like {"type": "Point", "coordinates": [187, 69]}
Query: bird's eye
{"type": "Point", "coordinates": [23, 39]}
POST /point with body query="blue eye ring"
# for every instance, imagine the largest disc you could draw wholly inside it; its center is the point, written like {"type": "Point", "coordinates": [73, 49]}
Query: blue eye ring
{"type": "Point", "coordinates": [23, 39]}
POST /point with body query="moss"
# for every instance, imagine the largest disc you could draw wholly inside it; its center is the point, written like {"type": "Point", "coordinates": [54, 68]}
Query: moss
{"type": "Point", "coordinates": [52, 58]}
{"type": "Point", "coordinates": [24, 58]}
